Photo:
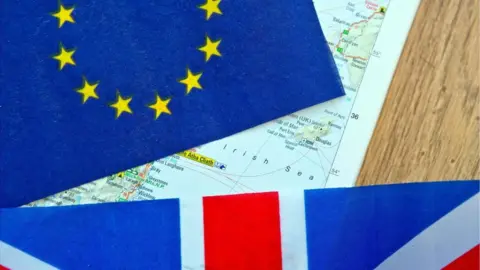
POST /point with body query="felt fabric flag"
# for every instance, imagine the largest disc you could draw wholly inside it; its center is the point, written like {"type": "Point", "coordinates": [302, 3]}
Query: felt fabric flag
{"type": "Point", "coordinates": [409, 226]}
{"type": "Point", "coordinates": [91, 88]}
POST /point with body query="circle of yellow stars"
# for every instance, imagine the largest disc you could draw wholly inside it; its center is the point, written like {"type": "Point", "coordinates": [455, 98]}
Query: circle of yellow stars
{"type": "Point", "coordinates": [121, 104]}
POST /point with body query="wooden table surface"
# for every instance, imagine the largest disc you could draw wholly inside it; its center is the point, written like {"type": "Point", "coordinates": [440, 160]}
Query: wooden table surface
{"type": "Point", "coordinates": [429, 126]}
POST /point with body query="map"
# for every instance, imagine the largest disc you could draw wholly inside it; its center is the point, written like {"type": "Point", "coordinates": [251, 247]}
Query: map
{"type": "Point", "coordinates": [308, 149]}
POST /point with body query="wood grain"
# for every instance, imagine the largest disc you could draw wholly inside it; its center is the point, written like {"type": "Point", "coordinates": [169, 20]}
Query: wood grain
{"type": "Point", "coordinates": [429, 126]}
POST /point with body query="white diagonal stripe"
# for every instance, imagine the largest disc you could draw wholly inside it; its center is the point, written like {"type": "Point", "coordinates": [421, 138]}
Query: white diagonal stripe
{"type": "Point", "coordinates": [293, 230]}
{"type": "Point", "coordinates": [444, 241]}
{"type": "Point", "coordinates": [16, 259]}
{"type": "Point", "coordinates": [191, 232]}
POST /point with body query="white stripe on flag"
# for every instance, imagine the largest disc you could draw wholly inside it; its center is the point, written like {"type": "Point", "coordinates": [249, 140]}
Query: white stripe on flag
{"type": "Point", "coordinates": [292, 221]}
{"type": "Point", "coordinates": [191, 232]}
{"type": "Point", "coordinates": [444, 241]}
{"type": "Point", "coordinates": [16, 259]}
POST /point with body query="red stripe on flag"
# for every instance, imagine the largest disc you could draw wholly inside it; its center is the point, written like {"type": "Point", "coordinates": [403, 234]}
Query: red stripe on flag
{"type": "Point", "coordinates": [3, 267]}
{"type": "Point", "coordinates": [469, 260]}
{"type": "Point", "coordinates": [242, 232]}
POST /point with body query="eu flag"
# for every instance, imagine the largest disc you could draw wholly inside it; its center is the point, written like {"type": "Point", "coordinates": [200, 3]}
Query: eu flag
{"type": "Point", "coordinates": [90, 88]}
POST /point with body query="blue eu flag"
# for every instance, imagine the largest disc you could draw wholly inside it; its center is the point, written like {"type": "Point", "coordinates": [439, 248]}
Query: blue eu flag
{"type": "Point", "coordinates": [90, 88]}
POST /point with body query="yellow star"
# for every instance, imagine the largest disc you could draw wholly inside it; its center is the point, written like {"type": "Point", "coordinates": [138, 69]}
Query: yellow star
{"type": "Point", "coordinates": [121, 105]}
{"type": "Point", "coordinates": [211, 6]}
{"type": "Point", "coordinates": [210, 48]}
{"type": "Point", "coordinates": [64, 57]}
{"type": "Point", "coordinates": [160, 106]}
{"type": "Point", "coordinates": [191, 81]}
{"type": "Point", "coordinates": [88, 90]}
{"type": "Point", "coordinates": [63, 15]}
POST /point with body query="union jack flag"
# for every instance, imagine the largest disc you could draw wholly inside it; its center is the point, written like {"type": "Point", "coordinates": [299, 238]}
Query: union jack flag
{"type": "Point", "coordinates": [408, 226]}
